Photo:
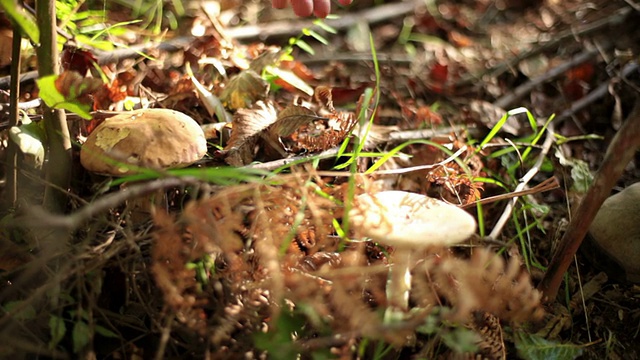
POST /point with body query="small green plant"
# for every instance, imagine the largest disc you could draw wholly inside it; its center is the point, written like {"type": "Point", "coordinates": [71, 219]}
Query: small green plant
{"type": "Point", "coordinates": [271, 72]}
{"type": "Point", "coordinates": [299, 41]}
{"type": "Point", "coordinates": [534, 347]}
{"type": "Point", "coordinates": [514, 158]}
{"type": "Point", "coordinates": [155, 13]}
{"type": "Point", "coordinates": [278, 341]}
{"type": "Point", "coordinates": [204, 268]}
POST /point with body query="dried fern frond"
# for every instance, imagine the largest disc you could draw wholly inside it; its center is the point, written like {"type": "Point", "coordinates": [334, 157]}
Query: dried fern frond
{"type": "Point", "coordinates": [252, 232]}
{"type": "Point", "coordinates": [491, 345]}
{"type": "Point", "coordinates": [485, 282]}
{"type": "Point", "coordinates": [177, 283]}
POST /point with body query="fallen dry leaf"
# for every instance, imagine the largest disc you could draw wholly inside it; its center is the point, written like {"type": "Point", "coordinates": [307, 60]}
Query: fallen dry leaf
{"type": "Point", "coordinates": [243, 90]}
{"type": "Point", "coordinates": [247, 126]}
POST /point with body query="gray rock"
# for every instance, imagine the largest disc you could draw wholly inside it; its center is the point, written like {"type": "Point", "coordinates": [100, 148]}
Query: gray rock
{"type": "Point", "coordinates": [616, 232]}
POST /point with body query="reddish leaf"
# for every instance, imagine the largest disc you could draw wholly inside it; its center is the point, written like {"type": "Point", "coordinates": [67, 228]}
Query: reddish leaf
{"type": "Point", "coordinates": [438, 77]}
{"type": "Point", "coordinates": [439, 73]}
{"type": "Point", "coordinates": [76, 59]}
{"type": "Point", "coordinates": [577, 79]}
{"type": "Point", "coordinates": [582, 72]}
{"type": "Point", "coordinates": [323, 96]}
{"type": "Point", "coordinates": [299, 69]}
{"type": "Point", "coordinates": [78, 89]}
{"type": "Point", "coordinates": [459, 40]}
{"type": "Point", "coordinates": [109, 94]}
{"type": "Point", "coordinates": [345, 95]}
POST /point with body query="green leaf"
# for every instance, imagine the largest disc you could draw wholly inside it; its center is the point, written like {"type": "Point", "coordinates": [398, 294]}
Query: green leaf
{"type": "Point", "coordinates": [291, 78]}
{"type": "Point", "coordinates": [318, 37]}
{"type": "Point", "coordinates": [324, 26]}
{"type": "Point", "coordinates": [23, 19]}
{"type": "Point", "coordinates": [57, 329]}
{"type": "Point", "coordinates": [431, 325]}
{"type": "Point", "coordinates": [106, 332]}
{"type": "Point", "coordinates": [278, 341]}
{"type": "Point", "coordinates": [80, 336]}
{"type": "Point", "coordinates": [77, 89]}
{"type": "Point", "coordinates": [534, 347]}
{"type": "Point", "coordinates": [460, 340]}
{"type": "Point", "coordinates": [304, 46]}
{"type": "Point", "coordinates": [580, 172]}
{"type": "Point", "coordinates": [225, 175]}
{"type": "Point", "coordinates": [27, 312]}
{"type": "Point", "coordinates": [30, 138]}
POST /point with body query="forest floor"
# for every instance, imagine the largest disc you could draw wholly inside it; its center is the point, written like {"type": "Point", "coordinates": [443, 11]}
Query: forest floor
{"type": "Point", "coordinates": [504, 109]}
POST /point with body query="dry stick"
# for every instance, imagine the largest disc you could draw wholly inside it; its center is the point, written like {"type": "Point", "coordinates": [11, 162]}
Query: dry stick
{"type": "Point", "coordinates": [614, 19]}
{"type": "Point", "coordinates": [393, 137]}
{"type": "Point", "coordinates": [521, 91]}
{"type": "Point", "coordinates": [547, 185]}
{"type": "Point", "coordinates": [360, 57]}
{"type": "Point", "coordinates": [506, 214]}
{"type": "Point", "coordinates": [290, 28]}
{"type": "Point", "coordinates": [76, 219]}
{"type": "Point", "coordinates": [250, 32]}
{"type": "Point", "coordinates": [621, 150]}
{"type": "Point", "coordinates": [597, 93]}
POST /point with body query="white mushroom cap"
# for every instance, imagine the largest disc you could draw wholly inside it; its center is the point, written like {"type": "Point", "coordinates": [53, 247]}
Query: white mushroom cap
{"type": "Point", "coordinates": [409, 220]}
{"type": "Point", "coordinates": [150, 138]}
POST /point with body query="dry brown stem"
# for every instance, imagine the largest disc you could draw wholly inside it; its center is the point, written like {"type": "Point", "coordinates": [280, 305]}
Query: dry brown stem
{"type": "Point", "coordinates": [620, 152]}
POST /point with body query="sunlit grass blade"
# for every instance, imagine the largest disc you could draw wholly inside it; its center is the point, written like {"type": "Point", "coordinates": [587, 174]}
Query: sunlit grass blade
{"type": "Point", "coordinates": [222, 176]}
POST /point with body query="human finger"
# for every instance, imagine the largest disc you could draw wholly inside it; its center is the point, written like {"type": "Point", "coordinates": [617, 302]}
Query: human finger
{"type": "Point", "coordinates": [279, 4]}
{"type": "Point", "coordinates": [302, 7]}
{"type": "Point", "coordinates": [321, 8]}
{"type": "Point", "coordinates": [345, 2]}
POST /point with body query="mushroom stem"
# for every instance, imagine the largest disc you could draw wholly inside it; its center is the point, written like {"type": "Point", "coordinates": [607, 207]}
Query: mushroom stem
{"type": "Point", "coordinates": [399, 283]}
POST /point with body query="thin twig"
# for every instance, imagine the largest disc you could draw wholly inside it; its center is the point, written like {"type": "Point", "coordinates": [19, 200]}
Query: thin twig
{"type": "Point", "coordinates": [597, 93]}
{"type": "Point", "coordinates": [422, 167]}
{"type": "Point", "coordinates": [393, 137]}
{"type": "Point", "coordinates": [620, 152]}
{"type": "Point", "coordinates": [547, 185]}
{"type": "Point", "coordinates": [290, 28]}
{"type": "Point", "coordinates": [165, 335]}
{"type": "Point", "coordinates": [508, 100]}
{"type": "Point", "coordinates": [76, 219]}
{"type": "Point", "coordinates": [506, 214]}
{"type": "Point", "coordinates": [247, 33]}
{"type": "Point", "coordinates": [570, 34]}
{"type": "Point", "coordinates": [355, 57]}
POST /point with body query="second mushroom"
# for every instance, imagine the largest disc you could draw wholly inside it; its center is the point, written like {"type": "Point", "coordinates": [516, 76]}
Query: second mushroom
{"type": "Point", "coordinates": [409, 223]}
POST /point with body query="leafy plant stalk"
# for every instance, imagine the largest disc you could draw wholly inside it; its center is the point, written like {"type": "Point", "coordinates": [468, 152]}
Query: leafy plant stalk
{"type": "Point", "coordinates": [58, 169]}
{"type": "Point", "coordinates": [363, 135]}
{"type": "Point", "coordinates": [12, 163]}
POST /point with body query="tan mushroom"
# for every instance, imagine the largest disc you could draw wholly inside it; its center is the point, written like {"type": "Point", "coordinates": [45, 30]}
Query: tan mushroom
{"type": "Point", "coordinates": [409, 223]}
{"type": "Point", "coordinates": [149, 138]}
